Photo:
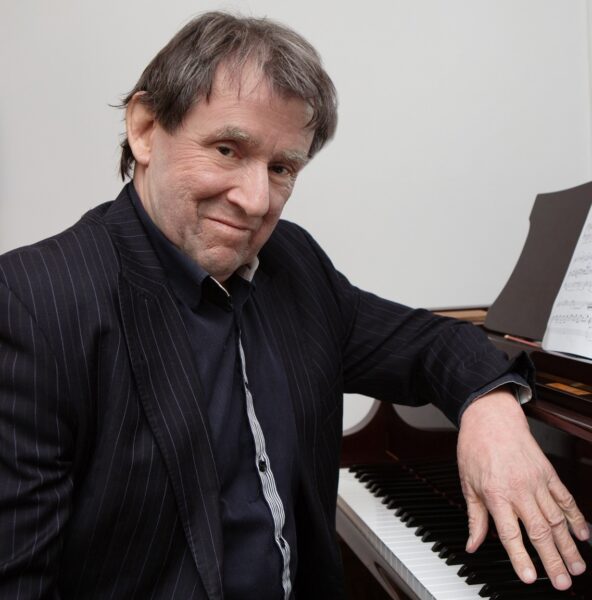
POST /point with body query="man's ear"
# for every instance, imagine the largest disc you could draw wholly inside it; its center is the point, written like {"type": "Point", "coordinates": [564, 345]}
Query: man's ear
{"type": "Point", "coordinates": [140, 124]}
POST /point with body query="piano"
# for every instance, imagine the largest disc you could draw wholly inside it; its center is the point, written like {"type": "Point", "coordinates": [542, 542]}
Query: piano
{"type": "Point", "coordinates": [401, 517]}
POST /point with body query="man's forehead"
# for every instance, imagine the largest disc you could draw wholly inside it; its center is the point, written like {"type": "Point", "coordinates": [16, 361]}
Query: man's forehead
{"type": "Point", "coordinates": [241, 78]}
{"type": "Point", "coordinates": [247, 79]}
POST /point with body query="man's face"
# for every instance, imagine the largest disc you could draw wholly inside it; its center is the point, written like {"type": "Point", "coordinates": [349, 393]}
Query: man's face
{"type": "Point", "coordinates": [217, 186]}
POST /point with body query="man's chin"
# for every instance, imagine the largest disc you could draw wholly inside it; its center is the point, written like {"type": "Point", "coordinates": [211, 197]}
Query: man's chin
{"type": "Point", "coordinates": [220, 263]}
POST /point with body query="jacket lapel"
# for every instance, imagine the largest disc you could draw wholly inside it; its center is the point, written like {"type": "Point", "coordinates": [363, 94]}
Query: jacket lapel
{"type": "Point", "coordinates": [169, 388]}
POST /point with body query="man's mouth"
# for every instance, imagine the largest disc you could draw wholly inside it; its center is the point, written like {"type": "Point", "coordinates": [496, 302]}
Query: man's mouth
{"type": "Point", "coordinates": [231, 224]}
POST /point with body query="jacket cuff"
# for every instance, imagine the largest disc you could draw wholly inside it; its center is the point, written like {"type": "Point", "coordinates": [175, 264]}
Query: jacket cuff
{"type": "Point", "coordinates": [521, 377]}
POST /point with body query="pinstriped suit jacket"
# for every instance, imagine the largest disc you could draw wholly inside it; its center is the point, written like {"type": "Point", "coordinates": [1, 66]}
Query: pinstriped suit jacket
{"type": "Point", "coordinates": [108, 486]}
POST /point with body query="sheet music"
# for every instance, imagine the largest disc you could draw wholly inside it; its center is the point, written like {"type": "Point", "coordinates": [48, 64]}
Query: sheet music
{"type": "Point", "coordinates": [569, 328]}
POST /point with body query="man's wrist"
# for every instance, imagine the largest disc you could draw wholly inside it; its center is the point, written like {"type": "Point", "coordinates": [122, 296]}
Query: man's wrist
{"type": "Point", "coordinates": [501, 400]}
{"type": "Point", "coordinates": [515, 384]}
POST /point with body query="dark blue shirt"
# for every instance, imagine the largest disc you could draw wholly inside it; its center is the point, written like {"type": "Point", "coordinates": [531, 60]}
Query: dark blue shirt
{"type": "Point", "coordinates": [218, 320]}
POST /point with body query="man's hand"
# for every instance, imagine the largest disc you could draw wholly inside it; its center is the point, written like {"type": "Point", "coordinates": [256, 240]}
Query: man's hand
{"type": "Point", "coordinates": [503, 471]}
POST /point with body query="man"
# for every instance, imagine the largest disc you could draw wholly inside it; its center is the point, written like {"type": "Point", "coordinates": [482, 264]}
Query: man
{"type": "Point", "coordinates": [172, 366]}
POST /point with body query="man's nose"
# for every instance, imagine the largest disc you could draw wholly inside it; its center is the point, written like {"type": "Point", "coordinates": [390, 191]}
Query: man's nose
{"type": "Point", "coordinates": [251, 192]}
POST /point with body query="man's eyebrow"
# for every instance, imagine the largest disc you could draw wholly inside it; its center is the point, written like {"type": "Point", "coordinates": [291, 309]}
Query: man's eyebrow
{"type": "Point", "coordinates": [233, 134]}
{"type": "Point", "coordinates": [237, 134]}
{"type": "Point", "coordinates": [294, 156]}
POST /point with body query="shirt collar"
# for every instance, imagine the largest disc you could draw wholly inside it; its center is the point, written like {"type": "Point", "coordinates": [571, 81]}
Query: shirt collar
{"type": "Point", "coordinates": [247, 272]}
{"type": "Point", "coordinates": [188, 279]}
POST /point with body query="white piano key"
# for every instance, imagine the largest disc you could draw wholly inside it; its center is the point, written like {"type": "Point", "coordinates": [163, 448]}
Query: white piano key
{"type": "Point", "coordinates": [413, 560]}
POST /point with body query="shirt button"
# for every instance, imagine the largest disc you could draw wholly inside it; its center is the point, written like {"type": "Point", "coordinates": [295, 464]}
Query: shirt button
{"type": "Point", "coordinates": [262, 465]}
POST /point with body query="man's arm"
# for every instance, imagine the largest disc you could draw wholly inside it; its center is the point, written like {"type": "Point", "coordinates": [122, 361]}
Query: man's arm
{"type": "Point", "coordinates": [35, 439]}
{"type": "Point", "coordinates": [504, 471]}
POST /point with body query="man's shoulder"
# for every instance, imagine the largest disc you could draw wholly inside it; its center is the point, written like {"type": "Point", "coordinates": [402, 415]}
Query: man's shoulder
{"type": "Point", "coordinates": [287, 230]}
{"type": "Point", "coordinates": [92, 218]}
{"type": "Point", "coordinates": [70, 258]}
{"type": "Point", "coordinates": [290, 243]}
{"type": "Point", "coordinates": [294, 252]}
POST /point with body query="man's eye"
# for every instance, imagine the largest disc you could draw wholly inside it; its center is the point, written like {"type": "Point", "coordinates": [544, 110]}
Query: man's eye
{"type": "Point", "coordinates": [280, 170]}
{"type": "Point", "coordinates": [225, 150]}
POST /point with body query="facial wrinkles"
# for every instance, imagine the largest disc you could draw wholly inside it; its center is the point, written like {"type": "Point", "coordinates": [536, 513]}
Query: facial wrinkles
{"type": "Point", "coordinates": [277, 117]}
{"type": "Point", "coordinates": [199, 193]}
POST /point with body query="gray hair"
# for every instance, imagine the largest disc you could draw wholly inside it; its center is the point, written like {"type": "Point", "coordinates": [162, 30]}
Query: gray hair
{"type": "Point", "coordinates": [182, 73]}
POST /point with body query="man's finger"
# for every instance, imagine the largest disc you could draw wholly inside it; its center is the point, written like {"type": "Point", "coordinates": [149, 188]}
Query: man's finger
{"type": "Point", "coordinates": [557, 520]}
{"type": "Point", "coordinates": [577, 521]}
{"type": "Point", "coordinates": [542, 534]}
{"type": "Point", "coordinates": [478, 521]}
{"type": "Point", "coordinates": [510, 536]}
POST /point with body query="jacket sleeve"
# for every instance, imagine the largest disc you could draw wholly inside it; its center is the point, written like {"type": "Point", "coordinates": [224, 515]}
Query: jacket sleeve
{"type": "Point", "coordinates": [411, 356]}
{"type": "Point", "coordinates": [36, 439]}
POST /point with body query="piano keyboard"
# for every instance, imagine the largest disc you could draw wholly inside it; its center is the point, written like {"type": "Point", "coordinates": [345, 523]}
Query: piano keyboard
{"type": "Point", "coordinates": [421, 569]}
{"type": "Point", "coordinates": [390, 504]}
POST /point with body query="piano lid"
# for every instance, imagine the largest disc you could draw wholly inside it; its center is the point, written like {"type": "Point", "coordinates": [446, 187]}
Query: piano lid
{"type": "Point", "coordinates": [524, 305]}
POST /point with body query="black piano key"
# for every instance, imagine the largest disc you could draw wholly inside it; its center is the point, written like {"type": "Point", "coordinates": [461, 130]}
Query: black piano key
{"type": "Point", "coordinates": [527, 594]}
{"type": "Point", "coordinates": [403, 480]}
{"type": "Point", "coordinates": [444, 528]}
{"type": "Point", "coordinates": [441, 535]}
{"type": "Point", "coordinates": [457, 558]}
{"type": "Point", "coordinates": [487, 556]}
{"type": "Point", "coordinates": [470, 565]}
{"type": "Point", "coordinates": [417, 497]}
{"type": "Point", "coordinates": [486, 566]}
{"type": "Point", "coordinates": [379, 471]}
{"type": "Point", "coordinates": [491, 559]}
{"type": "Point", "coordinates": [397, 482]}
{"type": "Point", "coordinates": [412, 488]}
{"type": "Point", "coordinates": [395, 502]}
{"type": "Point", "coordinates": [500, 572]}
{"type": "Point", "coordinates": [515, 585]}
{"type": "Point", "coordinates": [410, 520]}
{"type": "Point", "coordinates": [394, 479]}
{"type": "Point", "coordinates": [437, 509]}
{"type": "Point", "coordinates": [423, 491]}
{"type": "Point", "coordinates": [445, 547]}
{"type": "Point", "coordinates": [419, 520]}
{"type": "Point", "coordinates": [365, 474]}
{"type": "Point", "coordinates": [492, 551]}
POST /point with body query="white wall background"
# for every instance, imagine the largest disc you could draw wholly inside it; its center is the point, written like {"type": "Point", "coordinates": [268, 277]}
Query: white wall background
{"type": "Point", "coordinates": [454, 115]}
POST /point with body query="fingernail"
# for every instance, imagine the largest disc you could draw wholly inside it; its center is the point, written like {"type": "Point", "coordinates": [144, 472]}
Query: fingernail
{"type": "Point", "coordinates": [577, 568]}
{"type": "Point", "coordinates": [584, 534]}
{"type": "Point", "coordinates": [469, 542]}
{"type": "Point", "coordinates": [562, 582]}
{"type": "Point", "coordinates": [528, 575]}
